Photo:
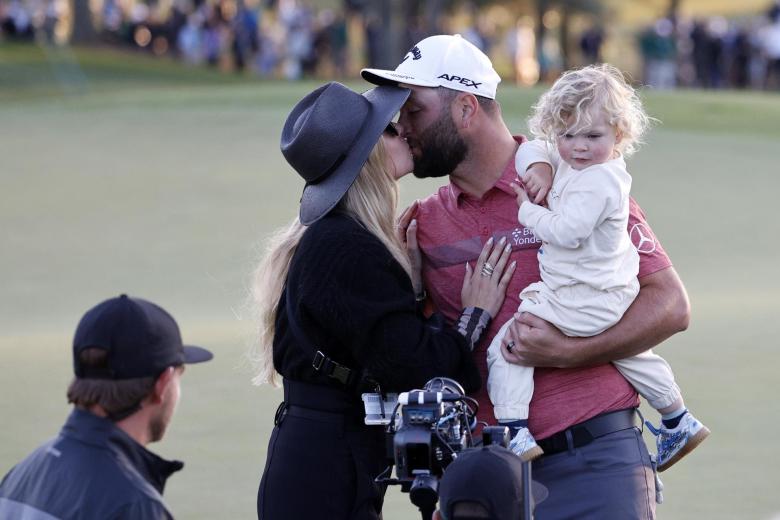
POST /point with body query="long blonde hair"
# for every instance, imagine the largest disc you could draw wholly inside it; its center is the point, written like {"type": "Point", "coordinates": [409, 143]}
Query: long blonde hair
{"type": "Point", "coordinates": [372, 200]}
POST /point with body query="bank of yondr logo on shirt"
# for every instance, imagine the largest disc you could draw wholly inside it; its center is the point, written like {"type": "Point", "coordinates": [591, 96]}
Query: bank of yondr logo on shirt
{"type": "Point", "coordinates": [524, 237]}
{"type": "Point", "coordinates": [643, 239]}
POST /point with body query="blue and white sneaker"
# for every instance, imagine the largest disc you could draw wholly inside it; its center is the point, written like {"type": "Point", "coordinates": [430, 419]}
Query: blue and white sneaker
{"type": "Point", "coordinates": [674, 444]}
{"type": "Point", "coordinates": [524, 445]}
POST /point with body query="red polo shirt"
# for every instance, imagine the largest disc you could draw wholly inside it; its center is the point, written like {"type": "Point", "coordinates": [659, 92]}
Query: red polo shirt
{"type": "Point", "coordinates": [452, 228]}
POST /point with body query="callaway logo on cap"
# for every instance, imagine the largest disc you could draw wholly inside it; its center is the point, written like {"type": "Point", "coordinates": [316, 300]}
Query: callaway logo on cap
{"type": "Point", "coordinates": [442, 61]}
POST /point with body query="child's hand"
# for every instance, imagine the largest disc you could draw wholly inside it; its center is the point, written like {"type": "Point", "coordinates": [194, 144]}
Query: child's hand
{"type": "Point", "coordinates": [522, 196]}
{"type": "Point", "coordinates": [538, 179]}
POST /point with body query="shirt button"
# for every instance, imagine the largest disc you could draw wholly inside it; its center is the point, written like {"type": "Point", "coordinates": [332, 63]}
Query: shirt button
{"type": "Point", "coordinates": [482, 209]}
{"type": "Point", "coordinates": [485, 231]}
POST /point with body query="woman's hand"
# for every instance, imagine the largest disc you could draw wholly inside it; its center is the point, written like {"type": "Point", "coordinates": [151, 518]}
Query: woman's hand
{"type": "Point", "coordinates": [406, 230]}
{"type": "Point", "coordinates": [485, 285]}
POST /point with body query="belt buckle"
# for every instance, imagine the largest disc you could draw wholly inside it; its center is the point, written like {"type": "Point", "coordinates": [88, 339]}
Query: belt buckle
{"type": "Point", "coordinates": [319, 359]}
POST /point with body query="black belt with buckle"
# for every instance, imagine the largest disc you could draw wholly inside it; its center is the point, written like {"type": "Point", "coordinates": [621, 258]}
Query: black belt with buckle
{"type": "Point", "coordinates": [318, 402]}
{"type": "Point", "coordinates": [585, 432]}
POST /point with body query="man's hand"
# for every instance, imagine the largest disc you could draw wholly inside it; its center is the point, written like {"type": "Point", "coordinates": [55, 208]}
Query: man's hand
{"type": "Point", "coordinates": [537, 343]}
{"type": "Point", "coordinates": [538, 179]}
{"type": "Point", "coordinates": [660, 310]}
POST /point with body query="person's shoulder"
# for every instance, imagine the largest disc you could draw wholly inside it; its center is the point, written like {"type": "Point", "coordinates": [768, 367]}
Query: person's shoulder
{"type": "Point", "coordinates": [17, 474]}
{"type": "Point", "coordinates": [609, 173]}
{"type": "Point", "coordinates": [616, 166]}
{"type": "Point", "coordinates": [33, 463]}
{"type": "Point", "coordinates": [337, 241]}
{"type": "Point", "coordinates": [337, 228]}
{"type": "Point", "coordinates": [436, 201]}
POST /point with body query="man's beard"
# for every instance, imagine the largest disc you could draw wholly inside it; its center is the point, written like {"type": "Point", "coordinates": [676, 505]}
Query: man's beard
{"type": "Point", "coordinates": [441, 149]}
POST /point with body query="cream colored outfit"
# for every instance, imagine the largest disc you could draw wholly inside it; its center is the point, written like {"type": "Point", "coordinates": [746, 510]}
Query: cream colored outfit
{"type": "Point", "coordinates": [589, 272]}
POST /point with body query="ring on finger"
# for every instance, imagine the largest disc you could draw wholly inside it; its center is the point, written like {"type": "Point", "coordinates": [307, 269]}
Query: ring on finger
{"type": "Point", "coordinates": [487, 270]}
{"type": "Point", "coordinates": [510, 346]}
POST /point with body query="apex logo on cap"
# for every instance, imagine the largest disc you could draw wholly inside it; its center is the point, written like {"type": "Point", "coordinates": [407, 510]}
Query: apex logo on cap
{"type": "Point", "coordinates": [415, 52]}
{"type": "Point", "coordinates": [463, 81]}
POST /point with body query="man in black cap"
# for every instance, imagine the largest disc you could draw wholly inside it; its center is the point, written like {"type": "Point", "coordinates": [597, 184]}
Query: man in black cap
{"type": "Point", "coordinates": [128, 359]}
{"type": "Point", "coordinates": [486, 483]}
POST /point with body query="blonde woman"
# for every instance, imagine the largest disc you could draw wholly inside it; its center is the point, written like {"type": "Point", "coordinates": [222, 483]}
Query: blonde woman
{"type": "Point", "coordinates": [339, 311]}
{"type": "Point", "coordinates": [586, 124]}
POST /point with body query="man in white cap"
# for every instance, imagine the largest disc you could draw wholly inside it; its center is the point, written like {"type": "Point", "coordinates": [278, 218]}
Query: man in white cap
{"type": "Point", "coordinates": [583, 410]}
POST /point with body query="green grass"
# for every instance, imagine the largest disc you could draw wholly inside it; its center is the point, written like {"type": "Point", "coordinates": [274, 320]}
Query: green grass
{"type": "Point", "coordinates": [162, 181]}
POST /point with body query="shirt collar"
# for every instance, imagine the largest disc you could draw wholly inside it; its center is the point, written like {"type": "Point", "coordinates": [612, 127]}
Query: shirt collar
{"type": "Point", "coordinates": [508, 176]}
{"type": "Point", "coordinates": [98, 431]}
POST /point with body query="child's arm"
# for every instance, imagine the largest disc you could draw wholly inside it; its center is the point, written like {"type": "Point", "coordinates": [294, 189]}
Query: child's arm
{"type": "Point", "coordinates": [579, 211]}
{"type": "Point", "coordinates": [537, 180]}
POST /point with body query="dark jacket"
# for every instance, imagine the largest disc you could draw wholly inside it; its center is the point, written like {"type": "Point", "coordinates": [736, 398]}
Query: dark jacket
{"type": "Point", "coordinates": [92, 470]}
{"type": "Point", "coordinates": [347, 296]}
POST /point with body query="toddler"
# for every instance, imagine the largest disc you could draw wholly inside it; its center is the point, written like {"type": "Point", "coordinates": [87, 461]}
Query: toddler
{"type": "Point", "coordinates": [587, 262]}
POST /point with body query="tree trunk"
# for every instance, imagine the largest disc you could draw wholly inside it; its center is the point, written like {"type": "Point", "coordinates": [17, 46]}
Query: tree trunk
{"type": "Point", "coordinates": [433, 15]}
{"type": "Point", "coordinates": [84, 32]}
{"type": "Point", "coordinates": [674, 9]}
{"type": "Point", "coordinates": [385, 33]}
{"type": "Point", "coordinates": [565, 36]}
{"type": "Point", "coordinates": [541, 8]}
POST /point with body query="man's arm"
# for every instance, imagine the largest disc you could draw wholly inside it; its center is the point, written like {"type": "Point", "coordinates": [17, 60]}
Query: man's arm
{"type": "Point", "coordinates": [660, 310]}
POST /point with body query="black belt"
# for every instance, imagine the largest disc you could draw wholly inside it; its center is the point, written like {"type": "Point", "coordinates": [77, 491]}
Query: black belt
{"type": "Point", "coordinates": [320, 397]}
{"type": "Point", "coordinates": [585, 432]}
{"type": "Point", "coordinates": [318, 402]}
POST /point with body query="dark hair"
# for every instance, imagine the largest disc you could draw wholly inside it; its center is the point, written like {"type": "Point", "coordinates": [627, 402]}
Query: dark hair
{"type": "Point", "coordinates": [489, 106]}
{"type": "Point", "coordinates": [113, 396]}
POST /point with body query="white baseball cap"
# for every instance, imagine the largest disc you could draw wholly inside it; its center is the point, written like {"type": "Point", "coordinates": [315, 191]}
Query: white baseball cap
{"type": "Point", "coordinates": [443, 60]}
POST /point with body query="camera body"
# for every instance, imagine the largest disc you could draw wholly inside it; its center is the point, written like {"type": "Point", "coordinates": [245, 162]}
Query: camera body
{"type": "Point", "coordinates": [426, 430]}
{"type": "Point", "coordinates": [433, 427]}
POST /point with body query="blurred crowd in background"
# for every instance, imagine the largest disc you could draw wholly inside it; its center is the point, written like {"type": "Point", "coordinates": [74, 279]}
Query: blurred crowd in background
{"type": "Point", "coordinates": [293, 39]}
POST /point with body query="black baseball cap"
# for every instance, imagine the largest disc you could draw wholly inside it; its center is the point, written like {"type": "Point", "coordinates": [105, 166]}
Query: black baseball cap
{"type": "Point", "coordinates": [491, 476]}
{"type": "Point", "coordinates": [141, 339]}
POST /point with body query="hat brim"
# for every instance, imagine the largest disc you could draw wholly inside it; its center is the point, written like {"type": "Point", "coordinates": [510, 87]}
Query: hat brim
{"type": "Point", "coordinates": [321, 197]}
{"type": "Point", "coordinates": [391, 77]}
{"type": "Point", "coordinates": [193, 354]}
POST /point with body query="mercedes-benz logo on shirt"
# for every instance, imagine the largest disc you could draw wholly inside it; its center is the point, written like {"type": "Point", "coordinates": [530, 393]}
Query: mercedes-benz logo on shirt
{"type": "Point", "coordinates": [642, 238]}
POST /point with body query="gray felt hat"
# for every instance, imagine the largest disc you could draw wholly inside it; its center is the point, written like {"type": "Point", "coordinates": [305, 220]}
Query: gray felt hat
{"type": "Point", "coordinates": [328, 136]}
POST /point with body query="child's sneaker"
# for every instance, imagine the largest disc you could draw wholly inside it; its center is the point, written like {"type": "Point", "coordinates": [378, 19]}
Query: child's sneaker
{"type": "Point", "coordinates": [674, 444]}
{"type": "Point", "coordinates": [524, 445]}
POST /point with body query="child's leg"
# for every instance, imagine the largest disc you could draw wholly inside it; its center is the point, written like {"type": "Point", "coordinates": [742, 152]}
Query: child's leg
{"type": "Point", "coordinates": [652, 377]}
{"type": "Point", "coordinates": [577, 310]}
{"type": "Point", "coordinates": [510, 388]}
{"type": "Point", "coordinates": [680, 432]}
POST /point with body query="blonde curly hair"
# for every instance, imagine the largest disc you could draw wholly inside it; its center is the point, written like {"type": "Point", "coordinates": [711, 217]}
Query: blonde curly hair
{"type": "Point", "coordinates": [579, 94]}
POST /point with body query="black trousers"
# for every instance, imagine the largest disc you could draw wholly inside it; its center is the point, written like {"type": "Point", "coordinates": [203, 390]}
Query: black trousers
{"type": "Point", "coordinates": [322, 464]}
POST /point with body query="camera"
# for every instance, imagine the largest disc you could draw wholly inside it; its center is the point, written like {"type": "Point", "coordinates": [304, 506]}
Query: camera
{"type": "Point", "coordinates": [426, 428]}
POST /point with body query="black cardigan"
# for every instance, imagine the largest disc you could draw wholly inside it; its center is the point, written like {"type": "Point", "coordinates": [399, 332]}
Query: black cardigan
{"type": "Point", "coordinates": [348, 296]}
